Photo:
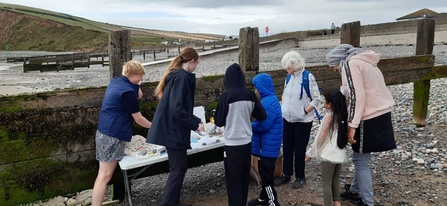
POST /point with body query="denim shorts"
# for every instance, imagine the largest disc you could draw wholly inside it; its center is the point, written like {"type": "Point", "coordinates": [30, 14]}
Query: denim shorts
{"type": "Point", "coordinates": [108, 148]}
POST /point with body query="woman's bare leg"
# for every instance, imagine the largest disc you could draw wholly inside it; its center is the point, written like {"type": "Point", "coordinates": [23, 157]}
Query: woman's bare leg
{"type": "Point", "coordinates": [105, 173]}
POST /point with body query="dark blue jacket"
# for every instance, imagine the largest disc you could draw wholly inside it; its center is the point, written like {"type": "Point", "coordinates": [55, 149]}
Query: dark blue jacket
{"type": "Point", "coordinates": [173, 120]}
{"type": "Point", "coordinates": [113, 119]}
{"type": "Point", "coordinates": [267, 134]}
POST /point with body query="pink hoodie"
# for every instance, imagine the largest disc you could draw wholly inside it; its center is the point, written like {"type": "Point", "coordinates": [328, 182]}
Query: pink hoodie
{"type": "Point", "coordinates": [365, 88]}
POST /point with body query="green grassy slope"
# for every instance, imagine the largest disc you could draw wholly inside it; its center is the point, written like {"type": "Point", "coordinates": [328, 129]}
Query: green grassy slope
{"type": "Point", "coordinates": [29, 35]}
{"type": "Point", "coordinates": [39, 29]}
{"type": "Point", "coordinates": [54, 16]}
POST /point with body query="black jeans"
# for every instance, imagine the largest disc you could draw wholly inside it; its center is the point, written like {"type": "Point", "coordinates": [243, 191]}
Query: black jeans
{"type": "Point", "coordinates": [295, 140]}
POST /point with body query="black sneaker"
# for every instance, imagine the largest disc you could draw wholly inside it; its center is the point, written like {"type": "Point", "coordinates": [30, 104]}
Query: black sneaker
{"type": "Point", "coordinates": [348, 195]}
{"type": "Point", "coordinates": [257, 201]}
{"type": "Point", "coordinates": [283, 179]}
{"type": "Point", "coordinates": [299, 183]}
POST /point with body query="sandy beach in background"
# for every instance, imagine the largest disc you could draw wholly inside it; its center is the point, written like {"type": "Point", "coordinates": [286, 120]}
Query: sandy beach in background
{"type": "Point", "coordinates": [12, 79]}
{"type": "Point", "coordinates": [10, 90]}
{"type": "Point", "coordinates": [14, 89]}
{"type": "Point", "coordinates": [6, 66]}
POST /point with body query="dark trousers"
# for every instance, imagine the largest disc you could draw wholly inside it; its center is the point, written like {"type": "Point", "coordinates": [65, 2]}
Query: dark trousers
{"type": "Point", "coordinates": [295, 140]}
{"type": "Point", "coordinates": [266, 168]}
{"type": "Point", "coordinates": [178, 164]}
{"type": "Point", "coordinates": [237, 172]}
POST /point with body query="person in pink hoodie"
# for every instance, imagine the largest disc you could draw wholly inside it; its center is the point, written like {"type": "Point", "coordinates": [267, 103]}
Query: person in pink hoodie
{"type": "Point", "coordinates": [369, 105]}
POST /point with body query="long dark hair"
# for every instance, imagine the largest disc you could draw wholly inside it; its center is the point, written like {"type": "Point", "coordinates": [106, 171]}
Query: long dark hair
{"type": "Point", "coordinates": [339, 114]}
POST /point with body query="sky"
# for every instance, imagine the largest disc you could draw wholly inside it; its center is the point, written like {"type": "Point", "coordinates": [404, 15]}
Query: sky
{"type": "Point", "coordinates": [226, 17]}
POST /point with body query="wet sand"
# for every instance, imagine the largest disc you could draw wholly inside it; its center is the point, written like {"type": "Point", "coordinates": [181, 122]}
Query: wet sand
{"type": "Point", "coordinates": [12, 90]}
{"type": "Point", "coordinates": [18, 89]}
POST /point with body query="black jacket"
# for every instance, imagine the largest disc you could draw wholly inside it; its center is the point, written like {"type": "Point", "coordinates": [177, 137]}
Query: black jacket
{"type": "Point", "coordinates": [174, 119]}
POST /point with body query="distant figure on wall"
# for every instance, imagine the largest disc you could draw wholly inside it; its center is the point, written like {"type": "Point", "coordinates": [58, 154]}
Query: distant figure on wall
{"type": "Point", "coordinates": [332, 29]}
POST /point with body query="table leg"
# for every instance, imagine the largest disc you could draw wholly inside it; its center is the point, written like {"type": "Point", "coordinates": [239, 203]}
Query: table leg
{"type": "Point", "coordinates": [127, 195]}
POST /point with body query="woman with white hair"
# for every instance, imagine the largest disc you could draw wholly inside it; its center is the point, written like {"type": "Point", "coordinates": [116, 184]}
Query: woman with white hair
{"type": "Point", "coordinates": [369, 114]}
{"type": "Point", "coordinates": [298, 114]}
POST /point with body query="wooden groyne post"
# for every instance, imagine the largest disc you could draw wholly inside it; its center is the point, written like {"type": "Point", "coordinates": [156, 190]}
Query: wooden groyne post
{"type": "Point", "coordinates": [119, 51]}
{"type": "Point", "coordinates": [249, 49]}
{"type": "Point", "coordinates": [424, 45]}
{"type": "Point", "coordinates": [350, 34]}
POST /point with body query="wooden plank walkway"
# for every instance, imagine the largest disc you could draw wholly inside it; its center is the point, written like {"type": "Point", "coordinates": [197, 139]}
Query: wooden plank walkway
{"type": "Point", "coordinates": [64, 62]}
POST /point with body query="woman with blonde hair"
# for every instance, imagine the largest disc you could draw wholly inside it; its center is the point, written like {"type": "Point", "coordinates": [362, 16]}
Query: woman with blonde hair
{"type": "Point", "coordinates": [174, 119]}
{"type": "Point", "coordinates": [119, 110]}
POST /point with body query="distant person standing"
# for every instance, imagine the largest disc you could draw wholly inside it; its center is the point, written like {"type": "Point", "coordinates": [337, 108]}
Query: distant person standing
{"type": "Point", "coordinates": [369, 103]}
{"type": "Point", "coordinates": [174, 120]}
{"type": "Point", "coordinates": [235, 107]}
{"type": "Point", "coordinates": [332, 28]}
{"type": "Point", "coordinates": [119, 110]}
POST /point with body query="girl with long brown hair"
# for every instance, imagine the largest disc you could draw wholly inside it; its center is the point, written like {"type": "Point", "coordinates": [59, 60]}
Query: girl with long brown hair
{"type": "Point", "coordinates": [174, 119]}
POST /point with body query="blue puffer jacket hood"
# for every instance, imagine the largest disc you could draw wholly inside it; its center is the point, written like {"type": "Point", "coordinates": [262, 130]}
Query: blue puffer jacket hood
{"type": "Point", "coordinates": [264, 84]}
{"type": "Point", "coordinates": [267, 134]}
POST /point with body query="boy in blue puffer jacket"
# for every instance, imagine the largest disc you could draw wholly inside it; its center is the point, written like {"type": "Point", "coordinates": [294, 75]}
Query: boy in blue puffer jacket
{"type": "Point", "coordinates": [267, 138]}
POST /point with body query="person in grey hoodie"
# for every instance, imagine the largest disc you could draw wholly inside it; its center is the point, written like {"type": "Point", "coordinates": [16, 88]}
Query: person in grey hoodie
{"type": "Point", "coordinates": [234, 109]}
{"type": "Point", "coordinates": [369, 105]}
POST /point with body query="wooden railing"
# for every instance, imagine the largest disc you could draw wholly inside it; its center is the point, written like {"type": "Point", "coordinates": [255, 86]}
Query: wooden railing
{"type": "Point", "coordinates": [58, 62]}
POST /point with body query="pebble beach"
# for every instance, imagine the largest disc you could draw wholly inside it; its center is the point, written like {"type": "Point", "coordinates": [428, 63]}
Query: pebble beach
{"type": "Point", "coordinates": [413, 174]}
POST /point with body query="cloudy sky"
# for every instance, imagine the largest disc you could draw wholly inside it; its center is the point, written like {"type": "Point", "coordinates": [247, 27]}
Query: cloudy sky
{"type": "Point", "coordinates": [228, 16]}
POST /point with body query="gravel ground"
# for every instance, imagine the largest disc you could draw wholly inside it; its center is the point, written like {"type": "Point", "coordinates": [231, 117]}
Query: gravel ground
{"type": "Point", "coordinates": [413, 174]}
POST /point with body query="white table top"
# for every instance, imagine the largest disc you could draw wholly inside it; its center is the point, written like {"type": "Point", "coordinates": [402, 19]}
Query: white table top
{"type": "Point", "coordinates": [129, 162]}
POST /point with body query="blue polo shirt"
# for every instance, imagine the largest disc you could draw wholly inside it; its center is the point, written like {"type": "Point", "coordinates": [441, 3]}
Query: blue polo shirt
{"type": "Point", "coordinates": [119, 103]}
